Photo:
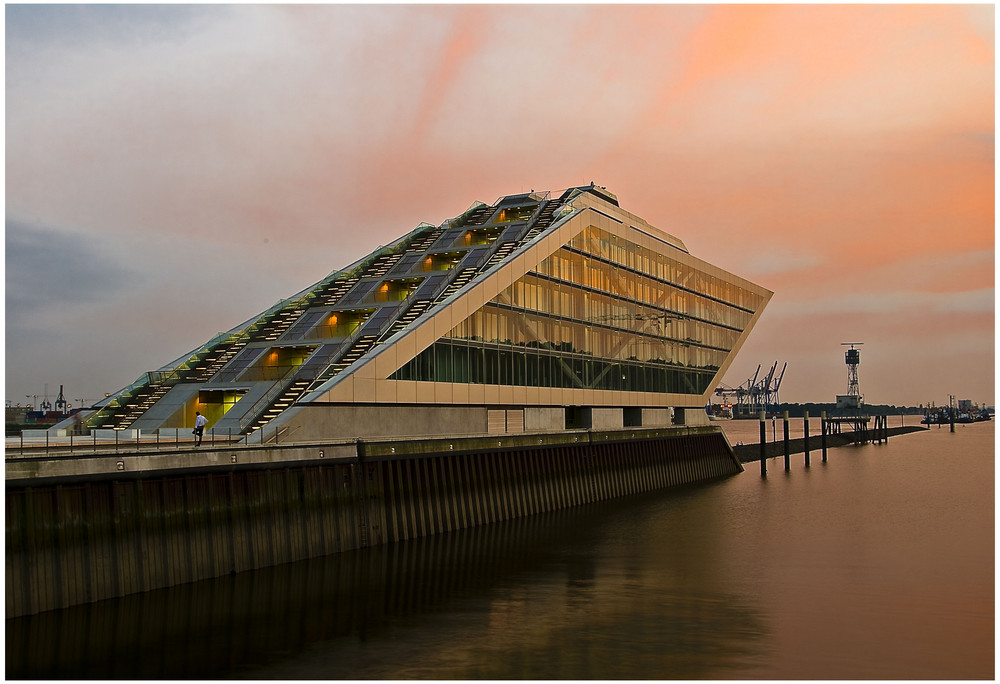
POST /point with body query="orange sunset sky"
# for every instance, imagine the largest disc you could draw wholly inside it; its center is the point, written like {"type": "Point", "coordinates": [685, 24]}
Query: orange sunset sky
{"type": "Point", "coordinates": [172, 171]}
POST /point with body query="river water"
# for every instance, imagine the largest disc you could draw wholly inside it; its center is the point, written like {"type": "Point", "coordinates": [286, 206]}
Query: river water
{"type": "Point", "coordinates": [878, 564]}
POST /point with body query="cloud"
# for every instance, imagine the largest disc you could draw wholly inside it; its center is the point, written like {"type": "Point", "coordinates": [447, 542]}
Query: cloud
{"type": "Point", "coordinates": [779, 261]}
{"type": "Point", "coordinates": [232, 155]}
{"type": "Point", "coordinates": [925, 305]}
{"type": "Point", "coordinates": [49, 271]}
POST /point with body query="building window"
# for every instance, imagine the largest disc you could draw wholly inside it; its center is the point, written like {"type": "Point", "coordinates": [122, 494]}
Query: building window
{"type": "Point", "coordinates": [516, 214]}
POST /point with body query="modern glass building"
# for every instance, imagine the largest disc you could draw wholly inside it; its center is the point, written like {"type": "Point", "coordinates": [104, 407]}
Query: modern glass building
{"type": "Point", "coordinates": [536, 312]}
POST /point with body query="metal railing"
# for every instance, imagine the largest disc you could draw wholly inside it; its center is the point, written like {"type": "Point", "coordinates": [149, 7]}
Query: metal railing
{"type": "Point", "coordinates": [121, 443]}
{"type": "Point", "coordinates": [261, 405]}
{"type": "Point", "coordinates": [94, 444]}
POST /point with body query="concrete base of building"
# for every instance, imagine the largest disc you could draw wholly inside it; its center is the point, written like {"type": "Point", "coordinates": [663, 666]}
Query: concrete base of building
{"type": "Point", "coordinates": [381, 421]}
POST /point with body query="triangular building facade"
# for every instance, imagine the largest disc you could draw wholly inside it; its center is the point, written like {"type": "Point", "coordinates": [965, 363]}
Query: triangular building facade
{"type": "Point", "coordinates": [537, 312]}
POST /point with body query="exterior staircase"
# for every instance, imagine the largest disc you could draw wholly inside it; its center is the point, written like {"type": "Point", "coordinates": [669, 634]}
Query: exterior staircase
{"type": "Point", "coordinates": [332, 293]}
{"type": "Point", "coordinates": [478, 217]}
{"type": "Point", "coordinates": [421, 243]}
{"type": "Point", "coordinates": [203, 365]}
{"type": "Point", "coordinates": [214, 362]}
{"type": "Point", "coordinates": [284, 400]}
{"type": "Point", "coordinates": [543, 221]}
{"type": "Point", "coordinates": [462, 279]}
{"type": "Point", "coordinates": [353, 353]}
{"type": "Point", "coordinates": [410, 315]}
{"type": "Point", "coordinates": [502, 252]}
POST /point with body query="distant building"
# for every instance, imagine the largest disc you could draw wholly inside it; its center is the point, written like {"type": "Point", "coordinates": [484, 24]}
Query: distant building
{"type": "Point", "coordinates": [848, 401]}
{"type": "Point", "coordinates": [532, 313]}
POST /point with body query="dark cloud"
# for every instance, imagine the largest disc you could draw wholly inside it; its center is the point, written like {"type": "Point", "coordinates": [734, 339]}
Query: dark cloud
{"type": "Point", "coordinates": [44, 25]}
{"type": "Point", "coordinates": [48, 269]}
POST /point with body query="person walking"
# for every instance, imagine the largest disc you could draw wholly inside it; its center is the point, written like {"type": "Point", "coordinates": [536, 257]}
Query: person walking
{"type": "Point", "coordinates": [199, 427]}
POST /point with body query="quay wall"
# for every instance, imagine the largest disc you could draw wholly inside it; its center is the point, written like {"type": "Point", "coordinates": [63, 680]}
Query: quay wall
{"type": "Point", "coordinates": [83, 529]}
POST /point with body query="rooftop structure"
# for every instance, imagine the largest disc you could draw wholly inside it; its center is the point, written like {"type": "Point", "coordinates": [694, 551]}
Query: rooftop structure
{"type": "Point", "coordinates": [535, 312]}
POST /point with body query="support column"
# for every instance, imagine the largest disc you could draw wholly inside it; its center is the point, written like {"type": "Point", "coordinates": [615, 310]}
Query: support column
{"type": "Point", "coordinates": [788, 453]}
{"type": "Point", "coordinates": [823, 428]}
{"type": "Point", "coordinates": [763, 445]}
{"type": "Point", "coordinates": [805, 435]}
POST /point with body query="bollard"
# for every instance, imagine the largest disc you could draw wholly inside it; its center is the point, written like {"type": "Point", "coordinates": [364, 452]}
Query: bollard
{"type": "Point", "coordinates": [763, 445]}
{"type": "Point", "coordinates": [822, 429]}
{"type": "Point", "coordinates": [805, 435]}
{"type": "Point", "coordinates": [788, 453]}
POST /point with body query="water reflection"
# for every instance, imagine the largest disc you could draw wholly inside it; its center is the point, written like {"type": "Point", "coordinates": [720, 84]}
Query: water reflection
{"type": "Point", "coordinates": [878, 564]}
{"type": "Point", "coordinates": [601, 591]}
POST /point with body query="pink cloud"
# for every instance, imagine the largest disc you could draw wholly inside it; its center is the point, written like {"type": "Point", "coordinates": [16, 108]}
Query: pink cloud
{"type": "Point", "coordinates": [811, 148]}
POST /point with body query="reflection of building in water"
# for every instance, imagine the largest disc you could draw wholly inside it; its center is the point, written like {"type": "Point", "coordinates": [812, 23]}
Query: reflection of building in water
{"type": "Point", "coordinates": [563, 590]}
{"type": "Point", "coordinates": [536, 312]}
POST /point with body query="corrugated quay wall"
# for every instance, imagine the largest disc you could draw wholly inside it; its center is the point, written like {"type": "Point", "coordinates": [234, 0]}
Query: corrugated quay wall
{"type": "Point", "coordinates": [77, 542]}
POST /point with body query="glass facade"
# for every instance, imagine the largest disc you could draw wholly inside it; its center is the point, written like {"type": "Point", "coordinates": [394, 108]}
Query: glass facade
{"type": "Point", "coordinates": [600, 313]}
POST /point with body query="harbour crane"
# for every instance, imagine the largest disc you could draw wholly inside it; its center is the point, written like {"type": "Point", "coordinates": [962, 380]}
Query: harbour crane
{"type": "Point", "coordinates": [755, 395]}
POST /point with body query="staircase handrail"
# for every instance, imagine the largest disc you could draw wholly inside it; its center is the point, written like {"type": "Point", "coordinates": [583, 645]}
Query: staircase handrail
{"type": "Point", "coordinates": [259, 406]}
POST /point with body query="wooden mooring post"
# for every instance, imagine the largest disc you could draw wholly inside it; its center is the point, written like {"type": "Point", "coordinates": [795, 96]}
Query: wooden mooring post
{"type": "Point", "coordinates": [763, 445]}
{"type": "Point", "coordinates": [881, 429]}
{"type": "Point", "coordinates": [823, 429]}
{"type": "Point", "coordinates": [788, 451]}
{"type": "Point", "coordinates": [805, 435]}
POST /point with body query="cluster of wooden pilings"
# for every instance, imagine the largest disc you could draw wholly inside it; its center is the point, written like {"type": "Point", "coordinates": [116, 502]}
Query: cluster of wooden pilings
{"type": "Point", "coordinates": [877, 434]}
{"type": "Point", "coordinates": [85, 535]}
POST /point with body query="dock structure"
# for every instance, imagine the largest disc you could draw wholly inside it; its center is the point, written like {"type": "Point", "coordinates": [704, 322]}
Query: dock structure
{"type": "Point", "coordinates": [542, 351]}
{"type": "Point", "coordinates": [748, 453]}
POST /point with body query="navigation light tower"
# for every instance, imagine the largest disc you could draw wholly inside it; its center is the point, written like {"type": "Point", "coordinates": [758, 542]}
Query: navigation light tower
{"type": "Point", "coordinates": [853, 357]}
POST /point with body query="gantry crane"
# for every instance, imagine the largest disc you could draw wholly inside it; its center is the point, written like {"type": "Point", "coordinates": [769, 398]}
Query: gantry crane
{"type": "Point", "coordinates": [755, 396]}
